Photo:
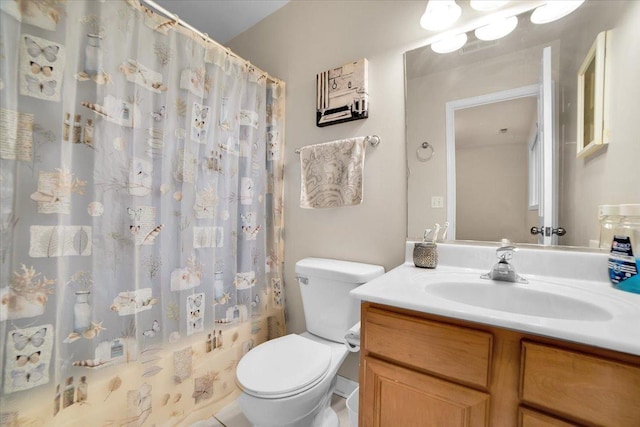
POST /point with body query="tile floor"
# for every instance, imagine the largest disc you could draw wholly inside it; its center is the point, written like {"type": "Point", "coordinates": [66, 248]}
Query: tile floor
{"type": "Point", "coordinates": [231, 415]}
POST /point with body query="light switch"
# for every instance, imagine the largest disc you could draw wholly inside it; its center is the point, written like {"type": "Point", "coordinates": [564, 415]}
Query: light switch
{"type": "Point", "coordinates": [437, 202]}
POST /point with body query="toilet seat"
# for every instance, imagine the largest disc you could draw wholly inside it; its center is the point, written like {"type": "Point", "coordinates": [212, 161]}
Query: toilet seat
{"type": "Point", "coordinates": [283, 367]}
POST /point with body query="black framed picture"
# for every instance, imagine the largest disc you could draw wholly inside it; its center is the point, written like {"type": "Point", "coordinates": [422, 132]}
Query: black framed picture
{"type": "Point", "coordinates": [341, 94]}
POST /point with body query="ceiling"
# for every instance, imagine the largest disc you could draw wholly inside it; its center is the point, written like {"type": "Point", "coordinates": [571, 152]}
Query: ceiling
{"type": "Point", "coordinates": [480, 126]}
{"type": "Point", "coordinates": [222, 20]}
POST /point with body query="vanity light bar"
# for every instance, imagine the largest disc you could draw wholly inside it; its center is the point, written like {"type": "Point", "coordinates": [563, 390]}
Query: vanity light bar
{"type": "Point", "coordinates": [552, 11]}
{"type": "Point", "coordinates": [499, 24]}
{"type": "Point", "coordinates": [440, 15]}
{"type": "Point", "coordinates": [487, 5]}
{"type": "Point", "coordinates": [450, 44]}
{"type": "Point", "coordinates": [497, 29]}
{"type": "Point", "coordinates": [516, 8]}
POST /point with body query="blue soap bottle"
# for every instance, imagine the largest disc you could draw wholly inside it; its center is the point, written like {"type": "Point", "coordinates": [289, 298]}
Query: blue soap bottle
{"type": "Point", "coordinates": [624, 258]}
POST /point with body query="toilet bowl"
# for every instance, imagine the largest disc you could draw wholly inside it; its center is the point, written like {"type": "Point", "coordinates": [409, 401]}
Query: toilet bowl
{"type": "Point", "coordinates": [291, 391]}
{"type": "Point", "coordinates": [289, 381]}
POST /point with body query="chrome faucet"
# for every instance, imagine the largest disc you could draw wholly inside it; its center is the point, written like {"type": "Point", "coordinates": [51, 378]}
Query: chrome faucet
{"type": "Point", "coordinates": [503, 270]}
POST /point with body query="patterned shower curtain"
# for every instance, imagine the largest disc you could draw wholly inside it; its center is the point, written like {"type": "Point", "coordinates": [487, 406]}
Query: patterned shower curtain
{"type": "Point", "coordinates": [140, 215]}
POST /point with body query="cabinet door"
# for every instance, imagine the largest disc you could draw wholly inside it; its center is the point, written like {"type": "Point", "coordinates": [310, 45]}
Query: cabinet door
{"type": "Point", "coordinates": [580, 386]}
{"type": "Point", "coordinates": [395, 396]}
{"type": "Point", "coordinates": [460, 354]}
{"type": "Point", "coordinates": [530, 418]}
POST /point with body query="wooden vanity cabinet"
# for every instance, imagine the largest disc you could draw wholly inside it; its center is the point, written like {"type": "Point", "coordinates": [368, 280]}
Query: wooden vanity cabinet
{"type": "Point", "coordinates": [423, 370]}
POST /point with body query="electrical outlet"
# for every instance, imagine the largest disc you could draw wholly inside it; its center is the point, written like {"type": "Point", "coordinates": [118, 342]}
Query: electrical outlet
{"type": "Point", "coordinates": [437, 202]}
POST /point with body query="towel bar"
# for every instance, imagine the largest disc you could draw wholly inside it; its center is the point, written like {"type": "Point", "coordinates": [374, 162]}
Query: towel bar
{"type": "Point", "coordinates": [373, 140]}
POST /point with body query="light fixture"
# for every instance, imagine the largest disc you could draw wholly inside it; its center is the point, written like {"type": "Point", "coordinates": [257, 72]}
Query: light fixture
{"type": "Point", "coordinates": [554, 10]}
{"type": "Point", "coordinates": [440, 14]}
{"type": "Point", "coordinates": [449, 44]}
{"type": "Point", "coordinates": [487, 5]}
{"type": "Point", "coordinates": [497, 29]}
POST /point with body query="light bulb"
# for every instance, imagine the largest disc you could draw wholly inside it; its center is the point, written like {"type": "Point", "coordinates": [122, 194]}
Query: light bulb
{"type": "Point", "coordinates": [554, 10]}
{"type": "Point", "coordinates": [497, 29]}
{"type": "Point", "coordinates": [487, 5]}
{"type": "Point", "coordinates": [440, 14]}
{"type": "Point", "coordinates": [449, 44]}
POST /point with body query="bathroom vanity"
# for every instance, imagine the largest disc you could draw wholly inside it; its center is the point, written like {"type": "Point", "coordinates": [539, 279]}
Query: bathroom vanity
{"type": "Point", "coordinates": [428, 359]}
{"type": "Point", "coordinates": [424, 370]}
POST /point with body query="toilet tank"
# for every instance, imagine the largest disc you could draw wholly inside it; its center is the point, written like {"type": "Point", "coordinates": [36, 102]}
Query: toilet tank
{"type": "Point", "coordinates": [325, 284]}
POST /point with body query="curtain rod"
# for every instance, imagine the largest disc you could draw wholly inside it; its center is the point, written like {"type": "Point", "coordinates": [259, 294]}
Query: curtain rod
{"type": "Point", "coordinates": [205, 36]}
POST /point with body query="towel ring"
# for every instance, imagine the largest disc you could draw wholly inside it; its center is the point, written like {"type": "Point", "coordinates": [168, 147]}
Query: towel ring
{"type": "Point", "coordinates": [430, 151]}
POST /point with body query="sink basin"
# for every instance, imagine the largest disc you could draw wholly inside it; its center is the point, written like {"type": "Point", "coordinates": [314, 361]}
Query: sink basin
{"type": "Point", "coordinates": [517, 298]}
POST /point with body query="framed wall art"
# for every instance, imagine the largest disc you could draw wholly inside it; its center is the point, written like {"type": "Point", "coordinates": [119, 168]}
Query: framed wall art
{"type": "Point", "coordinates": [342, 94]}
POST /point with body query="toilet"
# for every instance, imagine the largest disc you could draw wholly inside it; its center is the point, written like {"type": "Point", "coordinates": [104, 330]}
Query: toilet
{"type": "Point", "coordinates": [288, 381]}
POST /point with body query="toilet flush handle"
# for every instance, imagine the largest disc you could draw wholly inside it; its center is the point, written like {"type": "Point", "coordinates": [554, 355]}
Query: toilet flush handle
{"type": "Point", "coordinates": [302, 280]}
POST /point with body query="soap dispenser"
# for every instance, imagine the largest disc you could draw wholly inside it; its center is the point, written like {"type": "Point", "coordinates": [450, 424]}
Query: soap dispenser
{"type": "Point", "coordinates": [624, 259]}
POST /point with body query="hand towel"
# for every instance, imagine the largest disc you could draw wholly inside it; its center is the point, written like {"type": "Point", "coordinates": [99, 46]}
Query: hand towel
{"type": "Point", "coordinates": [332, 173]}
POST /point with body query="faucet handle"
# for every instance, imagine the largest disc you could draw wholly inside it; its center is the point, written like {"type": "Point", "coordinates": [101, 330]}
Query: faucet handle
{"type": "Point", "coordinates": [506, 251]}
{"type": "Point", "coordinates": [503, 271]}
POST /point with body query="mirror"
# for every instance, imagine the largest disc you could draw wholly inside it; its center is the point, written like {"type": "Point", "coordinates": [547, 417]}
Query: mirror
{"type": "Point", "coordinates": [499, 189]}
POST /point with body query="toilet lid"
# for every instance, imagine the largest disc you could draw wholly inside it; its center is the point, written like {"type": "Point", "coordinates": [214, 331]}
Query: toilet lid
{"type": "Point", "coordinates": [283, 366]}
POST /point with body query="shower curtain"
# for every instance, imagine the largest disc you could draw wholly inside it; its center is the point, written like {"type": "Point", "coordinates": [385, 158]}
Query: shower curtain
{"type": "Point", "coordinates": [140, 215]}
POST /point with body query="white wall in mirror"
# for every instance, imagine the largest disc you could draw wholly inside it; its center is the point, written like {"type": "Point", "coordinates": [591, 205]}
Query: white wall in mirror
{"type": "Point", "coordinates": [609, 176]}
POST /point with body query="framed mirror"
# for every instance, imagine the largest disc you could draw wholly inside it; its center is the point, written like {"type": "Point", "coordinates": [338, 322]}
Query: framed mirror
{"type": "Point", "coordinates": [578, 184]}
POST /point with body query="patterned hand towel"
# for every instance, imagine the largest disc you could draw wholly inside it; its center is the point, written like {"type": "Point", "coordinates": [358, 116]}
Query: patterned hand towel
{"type": "Point", "coordinates": [332, 173]}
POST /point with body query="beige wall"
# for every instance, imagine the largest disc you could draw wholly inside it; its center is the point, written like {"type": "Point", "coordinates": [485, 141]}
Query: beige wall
{"type": "Point", "coordinates": [611, 176]}
{"type": "Point", "coordinates": [306, 37]}
{"type": "Point", "coordinates": [294, 44]}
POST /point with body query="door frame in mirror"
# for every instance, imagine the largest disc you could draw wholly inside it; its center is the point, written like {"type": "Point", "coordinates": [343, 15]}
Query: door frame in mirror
{"type": "Point", "coordinates": [450, 137]}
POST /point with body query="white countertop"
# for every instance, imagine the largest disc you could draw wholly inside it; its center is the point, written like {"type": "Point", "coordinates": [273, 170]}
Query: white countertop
{"type": "Point", "coordinates": [404, 287]}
